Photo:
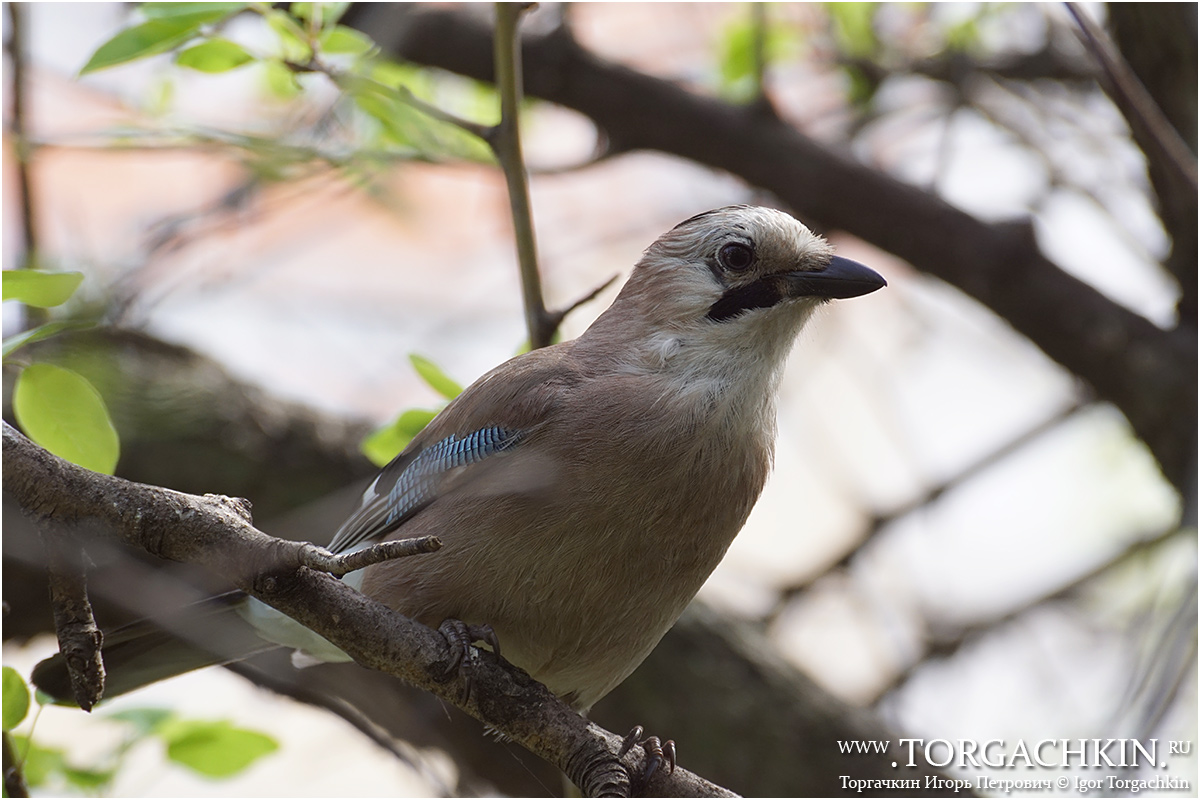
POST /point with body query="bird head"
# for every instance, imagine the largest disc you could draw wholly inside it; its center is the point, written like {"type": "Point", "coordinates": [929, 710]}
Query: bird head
{"type": "Point", "coordinates": [727, 289]}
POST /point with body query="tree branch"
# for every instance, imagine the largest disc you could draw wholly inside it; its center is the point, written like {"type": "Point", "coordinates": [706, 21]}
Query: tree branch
{"type": "Point", "coordinates": [506, 144]}
{"type": "Point", "coordinates": [215, 532]}
{"type": "Point", "coordinates": [1159, 140]}
{"type": "Point", "coordinates": [79, 638]}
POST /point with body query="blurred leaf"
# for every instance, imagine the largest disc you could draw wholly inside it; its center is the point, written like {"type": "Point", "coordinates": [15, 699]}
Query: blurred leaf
{"type": "Point", "coordinates": [168, 10]}
{"type": "Point", "coordinates": [214, 749]}
{"type": "Point", "coordinates": [89, 780]}
{"type": "Point", "coordinates": [280, 80]}
{"type": "Point", "coordinates": [963, 36]}
{"type": "Point", "coordinates": [15, 698]}
{"type": "Point", "coordinates": [39, 762]}
{"type": "Point", "coordinates": [161, 95]}
{"type": "Point", "coordinates": [737, 59]}
{"type": "Point", "coordinates": [861, 89]}
{"type": "Point", "coordinates": [342, 40]}
{"type": "Point", "coordinates": [145, 720]}
{"type": "Point", "coordinates": [854, 27]}
{"type": "Point", "coordinates": [293, 40]}
{"type": "Point", "coordinates": [326, 14]}
{"type": "Point", "coordinates": [441, 383]}
{"type": "Point", "coordinates": [737, 52]}
{"type": "Point", "coordinates": [61, 411]}
{"type": "Point", "coordinates": [214, 55]}
{"type": "Point", "coordinates": [389, 441]}
{"type": "Point", "coordinates": [41, 289]}
{"type": "Point", "coordinates": [157, 35]}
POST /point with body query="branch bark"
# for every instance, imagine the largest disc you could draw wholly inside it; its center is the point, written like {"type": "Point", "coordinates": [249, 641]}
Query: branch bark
{"type": "Point", "coordinates": [215, 532]}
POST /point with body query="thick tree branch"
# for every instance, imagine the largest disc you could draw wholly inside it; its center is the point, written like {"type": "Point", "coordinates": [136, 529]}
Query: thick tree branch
{"type": "Point", "coordinates": [215, 532]}
{"type": "Point", "coordinates": [1149, 373]}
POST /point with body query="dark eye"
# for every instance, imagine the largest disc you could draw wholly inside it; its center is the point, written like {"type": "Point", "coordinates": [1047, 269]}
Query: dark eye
{"type": "Point", "coordinates": [736, 256]}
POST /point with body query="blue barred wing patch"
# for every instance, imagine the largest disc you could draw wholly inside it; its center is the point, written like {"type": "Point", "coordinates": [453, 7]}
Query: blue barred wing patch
{"type": "Point", "coordinates": [417, 485]}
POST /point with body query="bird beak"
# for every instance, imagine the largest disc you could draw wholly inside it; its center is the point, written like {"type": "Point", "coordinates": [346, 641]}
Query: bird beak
{"type": "Point", "coordinates": [843, 278]}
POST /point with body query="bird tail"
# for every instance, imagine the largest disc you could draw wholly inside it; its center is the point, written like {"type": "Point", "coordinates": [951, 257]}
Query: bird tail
{"type": "Point", "coordinates": [147, 651]}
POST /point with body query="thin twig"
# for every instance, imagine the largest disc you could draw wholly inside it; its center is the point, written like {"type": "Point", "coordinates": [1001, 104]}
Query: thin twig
{"type": "Point", "coordinates": [556, 317]}
{"type": "Point", "coordinates": [945, 645]}
{"type": "Point", "coordinates": [322, 560]}
{"type": "Point", "coordinates": [1131, 97]}
{"type": "Point", "coordinates": [17, 57]}
{"type": "Point", "coordinates": [930, 495]}
{"type": "Point", "coordinates": [506, 144]}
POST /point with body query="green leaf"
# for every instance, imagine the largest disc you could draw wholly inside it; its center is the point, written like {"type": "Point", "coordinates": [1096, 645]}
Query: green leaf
{"type": "Point", "coordinates": [145, 720]}
{"type": "Point", "coordinates": [215, 749]}
{"type": "Point", "coordinates": [854, 27]}
{"type": "Point", "coordinates": [168, 10]}
{"type": "Point", "coordinates": [215, 55]}
{"type": "Point", "coordinates": [62, 412]}
{"type": "Point", "coordinates": [324, 14]}
{"type": "Point", "coordinates": [737, 52]}
{"type": "Point", "coordinates": [342, 40]}
{"type": "Point", "coordinates": [41, 289]}
{"type": "Point", "coordinates": [280, 80]}
{"type": "Point", "coordinates": [89, 780]}
{"type": "Point", "coordinates": [39, 762]}
{"type": "Point", "coordinates": [293, 40]}
{"type": "Point", "coordinates": [386, 443]}
{"type": "Point", "coordinates": [442, 383]}
{"type": "Point", "coordinates": [152, 37]}
{"type": "Point", "coordinates": [862, 89]}
{"type": "Point", "coordinates": [17, 341]}
{"type": "Point", "coordinates": [16, 698]}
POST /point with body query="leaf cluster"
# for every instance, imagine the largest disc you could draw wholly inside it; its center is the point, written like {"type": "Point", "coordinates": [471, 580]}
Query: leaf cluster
{"type": "Point", "coordinates": [214, 749]}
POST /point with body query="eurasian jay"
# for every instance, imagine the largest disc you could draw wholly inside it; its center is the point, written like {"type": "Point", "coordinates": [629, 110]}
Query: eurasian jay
{"type": "Point", "coordinates": [583, 492]}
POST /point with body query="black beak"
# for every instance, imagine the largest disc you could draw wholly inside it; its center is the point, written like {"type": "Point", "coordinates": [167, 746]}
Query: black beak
{"type": "Point", "coordinates": [843, 278]}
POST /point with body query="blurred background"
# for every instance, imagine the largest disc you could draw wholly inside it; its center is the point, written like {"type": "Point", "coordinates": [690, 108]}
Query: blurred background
{"type": "Point", "coordinates": [981, 523]}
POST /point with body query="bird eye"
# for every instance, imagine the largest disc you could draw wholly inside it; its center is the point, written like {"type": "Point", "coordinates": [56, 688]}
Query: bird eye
{"type": "Point", "coordinates": [736, 256]}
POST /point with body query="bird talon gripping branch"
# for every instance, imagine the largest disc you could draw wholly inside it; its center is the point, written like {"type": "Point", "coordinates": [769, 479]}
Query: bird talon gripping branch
{"type": "Point", "coordinates": [460, 637]}
{"type": "Point", "coordinates": [656, 752]}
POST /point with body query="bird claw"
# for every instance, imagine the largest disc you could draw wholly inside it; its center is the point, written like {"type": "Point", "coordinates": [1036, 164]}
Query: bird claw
{"type": "Point", "coordinates": [460, 636]}
{"type": "Point", "coordinates": [656, 751]}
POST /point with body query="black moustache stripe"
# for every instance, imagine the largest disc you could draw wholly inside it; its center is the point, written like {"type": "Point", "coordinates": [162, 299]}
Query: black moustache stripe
{"type": "Point", "coordinates": [760, 294]}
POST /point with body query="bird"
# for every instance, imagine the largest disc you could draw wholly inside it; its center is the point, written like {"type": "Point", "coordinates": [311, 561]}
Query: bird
{"type": "Point", "coordinates": [584, 491]}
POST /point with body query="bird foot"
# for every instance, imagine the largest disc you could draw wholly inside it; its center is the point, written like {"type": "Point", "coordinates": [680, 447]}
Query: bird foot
{"type": "Point", "coordinates": [460, 636]}
{"type": "Point", "coordinates": [656, 751]}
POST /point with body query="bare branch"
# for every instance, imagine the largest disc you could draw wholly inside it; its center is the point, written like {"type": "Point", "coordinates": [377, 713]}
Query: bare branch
{"type": "Point", "coordinates": [79, 638]}
{"type": "Point", "coordinates": [1135, 102]}
{"type": "Point", "coordinates": [556, 317]}
{"type": "Point", "coordinates": [930, 495]}
{"type": "Point", "coordinates": [322, 560]}
{"type": "Point", "coordinates": [507, 146]}
{"type": "Point", "coordinates": [946, 644]}
{"type": "Point", "coordinates": [18, 56]}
